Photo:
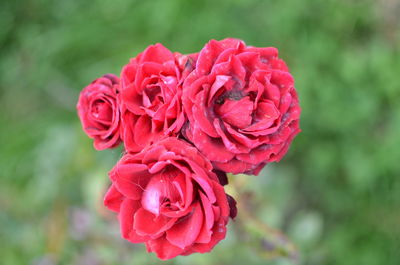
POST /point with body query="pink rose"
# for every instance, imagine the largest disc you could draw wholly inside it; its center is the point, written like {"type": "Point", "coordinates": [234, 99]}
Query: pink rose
{"type": "Point", "coordinates": [99, 113]}
{"type": "Point", "coordinates": [168, 197]}
{"type": "Point", "coordinates": [242, 106]}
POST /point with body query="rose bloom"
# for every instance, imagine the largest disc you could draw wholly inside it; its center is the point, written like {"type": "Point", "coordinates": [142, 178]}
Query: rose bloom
{"type": "Point", "coordinates": [151, 92]}
{"type": "Point", "coordinates": [242, 106]}
{"type": "Point", "coordinates": [168, 197]}
{"type": "Point", "coordinates": [99, 113]}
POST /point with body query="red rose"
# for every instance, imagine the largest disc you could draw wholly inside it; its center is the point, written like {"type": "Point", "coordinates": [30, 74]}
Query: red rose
{"type": "Point", "coordinates": [168, 197]}
{"type": "Point", "coordinates": [242, 106]}
{"type": "Point", "coordinates": [151, 92]}
{"type": "Point", "coordinates": [99, 113]}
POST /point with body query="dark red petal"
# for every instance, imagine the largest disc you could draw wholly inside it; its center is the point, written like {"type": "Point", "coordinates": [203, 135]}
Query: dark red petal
{"type": "Point", "coordinates": [185, 232]}
{"type": "Point", "coordinates": [229, 142]}
{"type": "Point", "coordinates": [159, 115]}
{"type": "Point", "coordinates": [222, 201]}
{"type": "Point", "coordinates": [232, 206]}
{"type": "Point", "coordinates": [213, 148]}
{"type": "Point", "coordinates": [267, 54]}
{"type": "Point", "coordinates": [145, 75]}
{"type": "Point", "coordinates": [257, 86]}
{"type": "Point", "coordinates": [284, 80]}
{"type": "Point", "coordinates": [99, 144]}
{"type": "Point", "coordinates": [220, 81]}
{"type": "Point", "coordinates": [201, 115]}
{"type": "Point", "coordinates": [236, 112]}
{"type": "Point", "coordinates": [238, 70]}
{"type": "Point", "coordinates": [184, 187]}
{"type": "Point", "coordinates": [158, 188]}
{"type": "Point", "coordinates": [128, 124]}
{"type": "Point", "coordinates": [130, 179]}
{"type": "Point", "coordinates": [113, 78]}
{"type": "Point", "coordinates": [203, 180]}
{"type": "Point", "coordinates": [152, 154]}
{"type": "Point", "coordinates": [259, 154]}
{"type": "Point", "coordinates": [251, 60]}
{"type": "Point", "coordinates": [222, 178]}
{"type": "Point", "coordinates": [285, 102]}
{"type": "Point", "coordinates": [128, 209]}
{"type": "Point", "coordinates": [163, 248]}
{"type": "Point", "coordinates": [232, 43]}
{"type": "Point", "coordinates": [142, 131]}
{"type": "Point", "coordinates": [146, 223]}
{"type": "Point", "coordinates": [113, 199]}
{"type": "Point", "coordinates": [217, 212]}
{"type": "Point", "coordinates": [278, 155]}
{"type": "Point", "coordinates": [186, 150]}
{"type": "Point", "coordinates": [156, 53]}
{"type": "Point", "coordinates": [279, 64]}
{"type": "Point", "coordinates": [128, 73]}
{"type": "Point", "coordinates": [132, 100]}
{"type": "Point", "coordinates": [158, 166]}
{"type": "Point", "coordinates": [234, 166]}
{"type": "Point", "coordinates": [206, 230]}
{"type": "Point", "coordinates": [256, 170]}
{"type": "Point", "coordinates": [265, 117]}
{"type": "Point", "coordinates": [101, 111]}
{"type": "Point", "coordinates": [207, 56]}
{"type": "Point", "coordinates": [219, 233]}
{"type": "Point", "coordinates": [242, 138]}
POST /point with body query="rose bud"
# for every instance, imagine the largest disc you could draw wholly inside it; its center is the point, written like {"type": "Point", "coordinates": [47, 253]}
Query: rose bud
{"type": "Point", "coordinates": [168, 197]}
{"type": "Point", "coordinates": [242, 106]}
{"type": "Point", "coordinates": [99, 113]}
{"type": "Point", "coordinates": [151, 89]}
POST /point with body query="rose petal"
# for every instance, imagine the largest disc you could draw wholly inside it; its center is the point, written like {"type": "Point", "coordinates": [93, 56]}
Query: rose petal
{"type": "Point", "coordinates": [157, 53]}
{"type": "Point", "coordinates": [232, 206]}
{"type": "Point", "coordinates": [130, 179]}
{"type": "Point", "coordinates": [186, 230]}
{"type": "Point", "coordinates": [219, 82]}
{"type": "Point", "coordinates": [236, 112]}
{"type": "Point", "coordinates": [153, 154]}
{"type": "Point", "coordinates": [222, 201]}
{"type": "Point", "coordinates": [142, 130]}
{"type": "Point", "coordinates": [234, 166]}
{"type": "Point", "coordinates": [213, 148]}
{"type": "Point", "coordinates": [163, 248]}
{"type": "Point", "coordinates": [242, 138]}
{"type": "Point", "coordinates": [146, 223]}
{"type": "Point", "coordinates": [132, 100]}
{"type": "Point", "coordinates": [113, 199]}
{"type": "Point", "coordinates": [267, 54]}
{"type": "Point", "coordinates": [158, 189]}
{"type": "Point", "coordinates": [222, 177]}
{"type": "Point", "coordinates": [128, 209]}
{"type": "Point", "coordinates": [277, 63]}
{"type": "Point", "coordinates": [206, 56]}
{"type": "Point", "coordinates": [229, 142]}
{"type": "Point", "coordinates": [128, 124]}
{"type": "Point", "coordinates": [219, 233]}
{"type": "Point", "coordinates": [206, 229]}
{"type": "Point", "coordinates": [202, 116]}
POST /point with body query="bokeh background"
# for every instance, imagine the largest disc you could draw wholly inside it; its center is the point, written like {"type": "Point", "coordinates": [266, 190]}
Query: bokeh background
{"type": "Point", "coordinates": [336, 195]}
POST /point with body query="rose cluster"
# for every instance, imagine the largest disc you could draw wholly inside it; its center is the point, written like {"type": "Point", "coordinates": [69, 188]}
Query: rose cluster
{"type": "Point", "coordinates": [185, 121]}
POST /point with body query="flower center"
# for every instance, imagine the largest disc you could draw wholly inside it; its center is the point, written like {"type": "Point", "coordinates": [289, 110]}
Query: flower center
{"type": "Point", "coordinates": [231, 95]}
{"type": "Point", "coordinates": [152, 91]}
{"type": "Point", "coordinates": [101, 111]}
{"type": "Point", "coordinates": [236, 109]}
{"type": "Point", "coordinates": [161, 192]}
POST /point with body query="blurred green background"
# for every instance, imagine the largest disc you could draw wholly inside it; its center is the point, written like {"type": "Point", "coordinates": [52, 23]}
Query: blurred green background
{"type": "Point", "coordinates": [336, 195]}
